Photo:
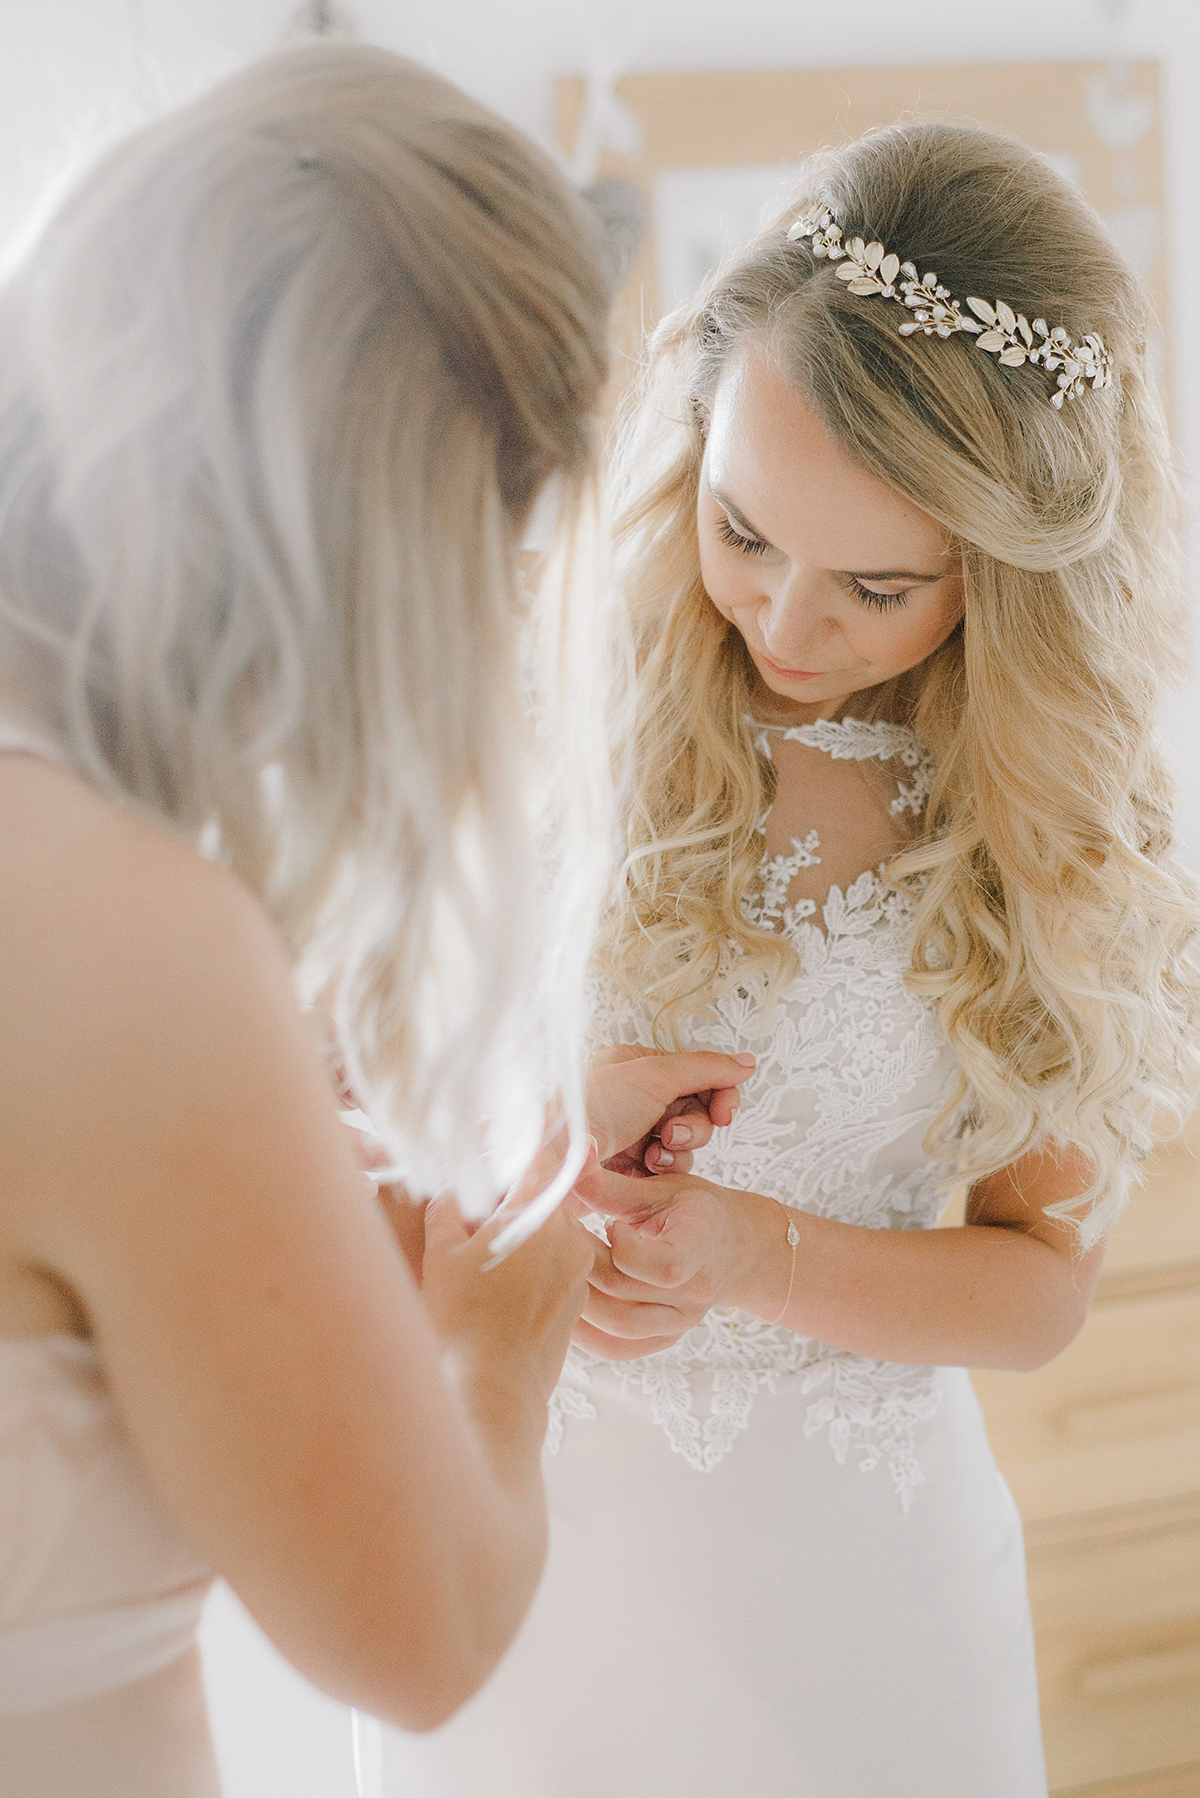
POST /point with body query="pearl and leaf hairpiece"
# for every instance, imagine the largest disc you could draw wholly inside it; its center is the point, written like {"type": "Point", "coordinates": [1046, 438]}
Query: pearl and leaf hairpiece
{"type": "Point", "coordinates": [867, 268]}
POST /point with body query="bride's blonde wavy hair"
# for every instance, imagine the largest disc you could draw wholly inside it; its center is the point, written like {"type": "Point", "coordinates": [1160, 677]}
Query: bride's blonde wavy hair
{"type": "Point", "coordinates": [1053, 929]}
{"type": "Point", "coordinates": [278, 388]}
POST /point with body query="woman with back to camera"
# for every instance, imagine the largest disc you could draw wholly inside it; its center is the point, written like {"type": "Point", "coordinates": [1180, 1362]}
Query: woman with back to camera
{"type": "Point", "coordinates": [278, 388]}
{"type": "Point", "coordinates": [897, 535]}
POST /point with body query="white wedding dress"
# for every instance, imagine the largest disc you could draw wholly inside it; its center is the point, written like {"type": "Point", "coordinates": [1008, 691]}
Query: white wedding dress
{"type": "Point", "coordinates": [777, 1568]}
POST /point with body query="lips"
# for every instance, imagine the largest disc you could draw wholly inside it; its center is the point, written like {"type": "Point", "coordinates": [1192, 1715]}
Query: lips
{"type": "Point", "coordinates": [791, 673]}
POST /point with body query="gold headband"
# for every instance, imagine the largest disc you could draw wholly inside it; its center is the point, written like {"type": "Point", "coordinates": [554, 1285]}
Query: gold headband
{"type": "Point", "coordinates": [867, 268]}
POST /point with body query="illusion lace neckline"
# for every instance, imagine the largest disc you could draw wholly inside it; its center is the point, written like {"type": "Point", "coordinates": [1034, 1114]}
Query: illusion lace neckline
{"type": "Point", "coordinates": [846, 739]}
{"type": "Point", "coordinates": [853, 740]}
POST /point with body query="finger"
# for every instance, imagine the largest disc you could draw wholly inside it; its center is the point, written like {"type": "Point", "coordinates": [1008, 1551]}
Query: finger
{"type": "Point", "coordinates": [542, 1171]}
{"type": "Point", "coordinates": [694, 1071]}
{"type": "Point", "coordinates": [692, 1122]}
{"type": "Point", "coordinates": [631, 1322]}
{"type": "Point", "coordinates": [617, 1052]}
{"type": "Point", "coordinates": [445, 1226]}
{"type": "Point", "coordinates": [614, 1194]}
{"type": "Point", "coordinates": [723, 1105]}
{"type": "Point", "coordinates": [606, 1277]}
{"type": "Point", "coordinates": [614, 1348]}
{"type": "Point", "coordinates": [687, 1124]}
{"type": "Point", "coordinates": [407, 1220]}
{"type": "Point", "coordinates": [640, 1201]}
{"type": "Point", "coordinates": [630, 1163]}
{"type": "Point", "coordinates": [690, 1133]}
{"type": "Point", "coordinates": [656, 1161]}
{"type": "Point", "coordinates": [655, 1260]}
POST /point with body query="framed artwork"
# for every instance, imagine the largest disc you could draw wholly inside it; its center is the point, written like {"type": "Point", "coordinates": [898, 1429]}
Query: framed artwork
{"type": "Point", "coordinates": [713, 153]}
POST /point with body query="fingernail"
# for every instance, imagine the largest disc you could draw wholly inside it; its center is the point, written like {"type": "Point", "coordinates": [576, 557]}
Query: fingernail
{"type": "Point", "coordinates": [664, 1158]}
{"type": "Point", "coordinates": [746, 1061]}
{"type": "Point", "coordinates": [679, 1135]}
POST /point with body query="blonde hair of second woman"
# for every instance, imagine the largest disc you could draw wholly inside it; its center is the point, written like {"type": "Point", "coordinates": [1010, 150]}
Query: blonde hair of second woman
{"type": "Point", "coordinates": [279, 386]}
{"type": "Point", "coordinates": [1053, 928]}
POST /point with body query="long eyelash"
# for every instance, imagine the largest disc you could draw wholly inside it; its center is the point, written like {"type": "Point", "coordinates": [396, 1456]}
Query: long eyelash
{"type": "Point", "coordinates": [879, 602]}
{"type": "Point", "coordinates": [749, 546]}
{"type": "Point", "coordinates": [753, 546]}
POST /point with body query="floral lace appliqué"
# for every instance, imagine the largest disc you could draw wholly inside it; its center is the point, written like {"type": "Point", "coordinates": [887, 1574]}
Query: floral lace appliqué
{"type": "Point", "coordinates": [768, 907]}
{"type": "Point", "coordinates": [871, 1409]}
{"type": "Point", "coordinates": [850, 1075]}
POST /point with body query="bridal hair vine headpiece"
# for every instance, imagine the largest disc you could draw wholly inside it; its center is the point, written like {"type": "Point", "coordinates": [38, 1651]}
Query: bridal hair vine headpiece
{"type": "Point", "coordinates": [868, 268]}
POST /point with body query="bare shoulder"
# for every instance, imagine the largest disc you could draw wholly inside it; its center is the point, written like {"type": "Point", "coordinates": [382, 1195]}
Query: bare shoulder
{"type": "Point", "coordinates": [128, 966]}
{"type": "Point", "coordinates": [70, 856]}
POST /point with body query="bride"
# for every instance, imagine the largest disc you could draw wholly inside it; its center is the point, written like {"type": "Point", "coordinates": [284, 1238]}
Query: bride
{"type": "Point", "coordinates": [278, 390]}
{"type": "Point", "coordinates": [898, 543]}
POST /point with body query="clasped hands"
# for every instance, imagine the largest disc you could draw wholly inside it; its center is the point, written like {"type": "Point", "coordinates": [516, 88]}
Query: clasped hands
{"type": "Point", "coordinates": [677, 1245]}
{"type": "Point", "coordinates": [647, 1111]}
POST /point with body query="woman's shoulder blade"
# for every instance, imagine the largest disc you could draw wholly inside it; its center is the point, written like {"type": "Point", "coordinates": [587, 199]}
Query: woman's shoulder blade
{"type": "Point", "coordinates": [85, 882]}
{"type": "Point", "coordinates": [126, 960]}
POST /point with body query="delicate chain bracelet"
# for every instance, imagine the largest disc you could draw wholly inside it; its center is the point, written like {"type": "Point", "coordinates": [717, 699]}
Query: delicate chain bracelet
{"type": "Point", "coordinates": [793, 1237]}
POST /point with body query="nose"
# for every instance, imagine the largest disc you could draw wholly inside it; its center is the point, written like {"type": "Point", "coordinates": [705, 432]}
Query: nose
{"type": "Point", "coordinates": [794, 622]}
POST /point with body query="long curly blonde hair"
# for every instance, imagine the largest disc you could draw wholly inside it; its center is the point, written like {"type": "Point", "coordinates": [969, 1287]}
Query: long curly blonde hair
{"type": "Point", "coordinates": [1053, 930]}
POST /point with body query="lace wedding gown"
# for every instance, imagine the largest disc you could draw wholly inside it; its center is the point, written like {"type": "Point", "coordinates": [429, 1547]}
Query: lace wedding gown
{"type": "Point", "coordinates": [777, 1568]}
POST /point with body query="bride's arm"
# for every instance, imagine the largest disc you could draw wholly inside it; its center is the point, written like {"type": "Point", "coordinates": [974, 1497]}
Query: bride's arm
{"type": "Point", "coordinates": [1007, 1289]}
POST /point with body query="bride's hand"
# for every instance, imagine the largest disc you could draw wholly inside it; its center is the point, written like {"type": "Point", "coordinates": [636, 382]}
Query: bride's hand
{"type": "Point", "coordinates": [676, 1247]}
{"type": "Point", "coordinates": [649, 1110]}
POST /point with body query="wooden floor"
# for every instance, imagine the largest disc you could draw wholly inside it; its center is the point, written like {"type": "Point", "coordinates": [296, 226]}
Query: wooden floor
{"type": "Point", "coordinates": [1102, 1450]}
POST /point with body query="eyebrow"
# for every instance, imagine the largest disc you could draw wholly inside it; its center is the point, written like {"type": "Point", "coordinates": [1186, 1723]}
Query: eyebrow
{"type": "Point", "coordinates": [884, 574]}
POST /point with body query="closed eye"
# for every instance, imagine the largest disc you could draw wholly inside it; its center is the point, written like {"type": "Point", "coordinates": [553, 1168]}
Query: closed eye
{"type": "Point", "coordinates": [878, 602]}
{"type": "Point", "coordinates": [749, 546]}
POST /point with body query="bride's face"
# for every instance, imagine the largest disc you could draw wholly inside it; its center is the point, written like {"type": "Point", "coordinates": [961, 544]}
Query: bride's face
{"type": "Point", "coordinates": [835, 582]}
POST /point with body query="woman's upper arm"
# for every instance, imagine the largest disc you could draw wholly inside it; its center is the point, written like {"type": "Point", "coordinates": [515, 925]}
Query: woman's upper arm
{"type": "Point", "coordinates": [1015, 1199]}
{"type": "Point", "coordinates": [178, 1160]}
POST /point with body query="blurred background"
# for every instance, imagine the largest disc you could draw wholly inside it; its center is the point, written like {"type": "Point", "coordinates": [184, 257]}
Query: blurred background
{"type": "Point", "coordinates": [689, 114]}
